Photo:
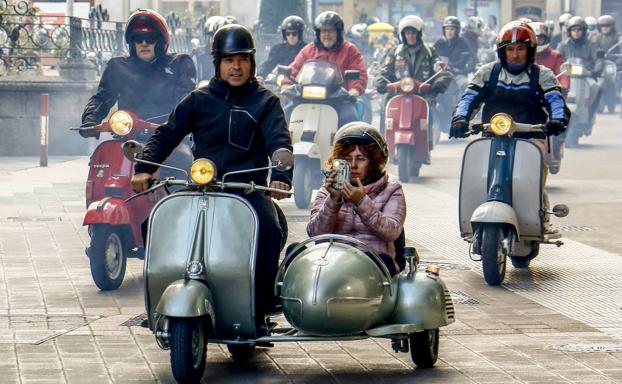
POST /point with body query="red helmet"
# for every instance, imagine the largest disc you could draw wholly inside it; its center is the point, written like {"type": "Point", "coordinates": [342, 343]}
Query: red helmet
{"type": "Point", "coordinates": [516, 32]}
{"type": "Point", "coordinates": [146, 20]}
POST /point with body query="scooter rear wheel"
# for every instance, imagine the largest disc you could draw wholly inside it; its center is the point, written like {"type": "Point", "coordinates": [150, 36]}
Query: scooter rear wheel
{"type": "Point", "coordinates": [107, 256]}
{"type": "Point", "coordinates": [188, 348]}
{"type": "Point", "coordinates": [424, 348]}
{"type": "Point", "coordinates": [493, 256]}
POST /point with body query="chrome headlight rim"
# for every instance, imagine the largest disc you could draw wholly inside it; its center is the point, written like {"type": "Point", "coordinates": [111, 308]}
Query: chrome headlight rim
{"type": "Point", "coordinates": [407, 84]}
{"type": "Point", "coordinates": [501, 124]}
{"type": "Point", "coordinates": [202, 171]}
{"type": "Point", "coordinates": [121, 123]}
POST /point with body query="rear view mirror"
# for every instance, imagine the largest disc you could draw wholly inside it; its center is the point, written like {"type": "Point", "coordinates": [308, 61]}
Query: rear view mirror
{"type": "Point", "coordinates": [284, 70]}
{"type": "Point", "coordinates": [132, 150]}
{"type": "Point", "coordinates": [283, 159]}
{"type": "Point", "coordinates": [561, 210]}
{"type": "Point", "coordinates": [352, 74]}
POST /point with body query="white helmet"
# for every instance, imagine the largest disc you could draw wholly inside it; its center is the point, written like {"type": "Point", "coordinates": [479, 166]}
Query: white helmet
{"type": "Point", "coordinates": [410, 21]}
{"type": "Point", "coordinates": [591, 22]}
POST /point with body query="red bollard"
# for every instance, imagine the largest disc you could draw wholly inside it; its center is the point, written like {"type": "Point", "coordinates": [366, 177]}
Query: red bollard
{"type": "Point", "coordinates": [43, 157]}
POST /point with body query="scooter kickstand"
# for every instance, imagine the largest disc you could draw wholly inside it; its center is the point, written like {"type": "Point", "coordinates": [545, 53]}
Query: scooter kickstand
{"type": "Point", "coordinates": [400, 344]}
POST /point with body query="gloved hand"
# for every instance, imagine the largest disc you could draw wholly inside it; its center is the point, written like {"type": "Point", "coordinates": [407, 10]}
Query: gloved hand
{"type": "Point", "coordinates": [555, 127]}
{"type": "Point", "coordinates": [354, 93]}
{"type": "Point", "coordinates": [425, 88]}
{"type": "Point", "coordinates": [459, 127]}
{"type": "Point", "coordinates": [85, 132]}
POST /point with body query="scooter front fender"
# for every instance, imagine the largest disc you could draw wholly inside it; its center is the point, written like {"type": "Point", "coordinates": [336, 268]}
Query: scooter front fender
{"type": "Point", "coordinates": [306, 148]}
{"type": "Point", "coordinates": [404, 137]}
{"type": "Point", "coordinates": [186, 298]}
{"type": "Point", "coordinates": [496, 212]}
{"type": "Point", "coordinates": [109, 210]}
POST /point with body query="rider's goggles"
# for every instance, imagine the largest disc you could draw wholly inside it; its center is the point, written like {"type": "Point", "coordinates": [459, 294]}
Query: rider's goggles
{"type": "Point", "coordinates": [149, 38]}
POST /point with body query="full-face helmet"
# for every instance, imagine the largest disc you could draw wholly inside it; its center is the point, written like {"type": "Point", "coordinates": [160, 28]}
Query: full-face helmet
{"type": "Point", "coordinates": [516, 32]}
{"type": "Point", "coordinates": [147, 22]}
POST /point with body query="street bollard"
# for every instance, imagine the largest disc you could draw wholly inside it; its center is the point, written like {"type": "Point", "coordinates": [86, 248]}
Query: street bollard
{"type": "Point", "coordinates": [43, 157]}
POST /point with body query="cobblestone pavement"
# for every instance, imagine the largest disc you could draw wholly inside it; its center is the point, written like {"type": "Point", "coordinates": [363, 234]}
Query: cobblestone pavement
{"type": "Point", "coordinates": [559, 322]}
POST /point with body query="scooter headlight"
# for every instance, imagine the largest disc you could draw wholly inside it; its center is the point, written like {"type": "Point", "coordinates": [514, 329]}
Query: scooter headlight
{"type": "Point", "coordinates": [576, 70]}
{"type": "Point", "coordinates": [315, 92]}
{"type": "Point", "coordinates": [202, 171]}
{"type": "Point", "coordinates": [500, 124]}
{"type": "Point", "coordinates": [407, 84]}
{"type": "Point", "coordinates": [121, 123]}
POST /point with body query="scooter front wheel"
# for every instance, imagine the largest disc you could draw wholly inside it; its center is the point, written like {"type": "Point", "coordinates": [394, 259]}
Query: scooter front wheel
{"type": "Point", "coordinates": [403, 163]}
{"type": "Point", "coordinates": [107, 256]}
{"type": "Point", "coordinates": [303, 182]}
{"type": "Point", "coordinates": [188, 348]}
{"type": "Point", "coordinates": [493, 255]}
{"type": "Point", "coordinates": [424, 348]}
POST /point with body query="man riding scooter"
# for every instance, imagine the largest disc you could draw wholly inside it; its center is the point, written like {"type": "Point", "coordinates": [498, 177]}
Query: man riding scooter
{"type": "Point", "coordinates": [577, 49]}
{"type": "Point", "coordinates": [329, 45]}
{"type": "Point", "coordinates": [292, 29]}
{"type": "Point", "coordinates": [461, 59]}
{"type": "Point", "coordinates": [237, 124]}
{"type": "Point", "coordinates": [148, 82]}
{"type": "Point", "coordinates": [413, 58]}
{"type": "Point", "coordinates": [514, 85]}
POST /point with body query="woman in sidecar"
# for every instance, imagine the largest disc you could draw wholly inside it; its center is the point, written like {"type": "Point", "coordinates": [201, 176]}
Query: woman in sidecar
{"type": "Point", "coordinates": [369, 207]}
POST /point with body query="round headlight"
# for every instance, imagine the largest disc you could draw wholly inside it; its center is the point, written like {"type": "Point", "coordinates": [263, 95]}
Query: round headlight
{"type": "Point", "coordinates": [121, 123]}
{"type": "Point", "coordinates": [202, 171]}
{"type": "Point", "coordinates": [407, 84]}
{"type": "Point", "coordinates": [500, 124]}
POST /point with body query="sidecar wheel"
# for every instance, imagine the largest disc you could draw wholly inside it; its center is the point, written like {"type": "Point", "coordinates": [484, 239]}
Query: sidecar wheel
{"type": "Point", "coordinates": [107, 257]}
{"type": "Point", "coordinates": [241, 352]}
{"type": "Point", "coordinates": [493, 255]}
{"type": "Point", "coordinates": [424, 348]}
{"type": "Point", "coordinates": [524, 261]}
{"type": "Point", "coordinates": [188, 349]}
{"type": "Point", "coordinates": [403, 163]}
{"type": "Point", "coordinates": [303, 182]}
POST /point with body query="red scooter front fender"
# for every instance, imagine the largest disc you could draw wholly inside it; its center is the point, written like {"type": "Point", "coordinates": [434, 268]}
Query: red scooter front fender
{"type": "Point", "coordinates": [109, 210]}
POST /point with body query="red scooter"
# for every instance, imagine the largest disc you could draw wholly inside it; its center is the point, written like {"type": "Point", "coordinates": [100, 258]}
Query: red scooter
{"type": "Point", "coordinates": [113, 219]}
{"type": "Point", "coordinates": [407, 130]}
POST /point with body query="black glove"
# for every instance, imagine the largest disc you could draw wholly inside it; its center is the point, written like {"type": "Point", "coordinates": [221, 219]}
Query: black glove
{"type": "Point", "coordinates": [84, 130]}
{"type": "Point", "coordinates": [459, 127]}
{"type": "Point", "coordinates": [555, 127]}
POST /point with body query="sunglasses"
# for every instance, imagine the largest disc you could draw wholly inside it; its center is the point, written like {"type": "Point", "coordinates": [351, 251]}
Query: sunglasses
{"type": "Point", "coordinates": [291, 33]}
{"type": "Point", "coordinates": [146, 38]}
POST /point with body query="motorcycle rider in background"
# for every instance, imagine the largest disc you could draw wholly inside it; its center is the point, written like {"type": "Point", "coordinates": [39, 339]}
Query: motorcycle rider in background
{"type": "Point", "coordinates": [330, 45]}
{"type": "Point", "coordinates": [577, 45]}
{"type": "Point", "coordinates": [412, 58]}
{"type": "Point", "coordinates": [547, 56]}
{"type": "Point", "coordinates": [204, 60]}
{"type": "Point", "coordinates": [563, 31]}
{"type": "Point", "coordinates": [238, 124]}
{"type": "Point", "coordinates": [529, 93]}
{"type": "Point", "coordinates": [592, 31]}
{"type": "Point", "coordinates": [149, 82]}
{"type": "Point", "coordinates": [292, 30]}
{"type": "Point", "coordinates": [472, 32]}
{"type": "Point", "coordinates": [608, 35]}
{"type": "Point", "coordinates": [461, 59]}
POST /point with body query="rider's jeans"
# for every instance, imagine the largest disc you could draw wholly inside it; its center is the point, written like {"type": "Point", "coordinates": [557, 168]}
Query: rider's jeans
{"type": "Point", "coordinates": [268, 250]}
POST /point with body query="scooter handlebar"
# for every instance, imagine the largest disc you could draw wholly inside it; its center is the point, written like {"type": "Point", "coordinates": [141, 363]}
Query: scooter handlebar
{"type": "Point", "coordinates": [516, 127]}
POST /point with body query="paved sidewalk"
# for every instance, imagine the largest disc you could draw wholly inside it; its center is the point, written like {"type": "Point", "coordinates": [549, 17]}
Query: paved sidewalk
{"type": "Point", "coordinates": [56, 326]}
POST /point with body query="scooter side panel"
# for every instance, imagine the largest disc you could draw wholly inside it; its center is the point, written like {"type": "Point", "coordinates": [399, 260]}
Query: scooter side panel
{"type": "Point", "coordinates": [527, 181]}
{"type": "Point", "coordinates": [231, 234]}
{"type": "Point", "coordinates": [473, 181]}
{"type": "Point", "coordinates": [315, 123]}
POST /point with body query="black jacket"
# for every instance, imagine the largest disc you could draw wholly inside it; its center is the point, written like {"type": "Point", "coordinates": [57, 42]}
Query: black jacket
{"type": "Point", "coordinates": [453, 50]}
{"type": "Point", "coordinates": [237, 128]}
{"type": "Point", "coordinates": [146, 89]}
{"type": "Point", "coordinates": [282, 54]}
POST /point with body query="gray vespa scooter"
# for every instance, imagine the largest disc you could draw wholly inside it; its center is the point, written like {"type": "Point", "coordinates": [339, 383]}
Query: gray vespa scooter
{"type": "Point", "coordinates": [501, 208]}
{"type": "Point", "coordinates": [199, 282]}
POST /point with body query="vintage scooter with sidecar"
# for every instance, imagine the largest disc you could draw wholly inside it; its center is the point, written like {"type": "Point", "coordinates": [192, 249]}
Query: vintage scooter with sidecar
{"type": "Point", "coordinates": [502, 211]}
{"type": "Point", "coordinates": [408, 132]}
{"type": "Point", "coordinates": [313, 120]}
{"type": "Point", "coordinates": [199, 281]}
{"type": "Point", "coordinates": [114, 221]}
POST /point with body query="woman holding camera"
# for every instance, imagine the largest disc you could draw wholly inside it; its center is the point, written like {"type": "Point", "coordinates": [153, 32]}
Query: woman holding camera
{"type": "Point", "coordinates": [368, 207]}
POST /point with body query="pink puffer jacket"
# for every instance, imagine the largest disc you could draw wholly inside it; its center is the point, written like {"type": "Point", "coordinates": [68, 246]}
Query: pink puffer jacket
{"type": "Point", "coordinates": [377, 221]}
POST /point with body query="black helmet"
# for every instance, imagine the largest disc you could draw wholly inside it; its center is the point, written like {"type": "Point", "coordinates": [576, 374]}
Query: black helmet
{"type": "Point", "coordinates": [577, 21]}
{"type": "Point", "coordinates": [329, 18]}
{"type": "Point", "coordinates": [372, 20]}
{"type": "Point", "coordinates": [359, 132]}
{"type": "Point", "coordinates": [293, 22]}
{"type": "Point", "coordinates": [452, 21]}
{"type": "Point", "coordinates": [147, 21]}
{"type": "Point", "coordinates": [232, 39]}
